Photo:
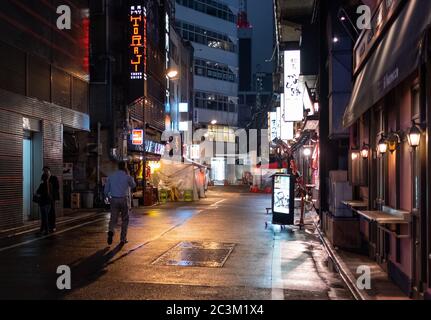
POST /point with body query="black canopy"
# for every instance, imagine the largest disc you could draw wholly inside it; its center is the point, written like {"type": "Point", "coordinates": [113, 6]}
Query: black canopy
{"type": "Point", "coordinates": [394, 59]}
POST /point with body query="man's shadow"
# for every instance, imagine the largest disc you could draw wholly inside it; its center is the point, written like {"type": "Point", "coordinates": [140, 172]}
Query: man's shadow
{"type": "Point", "coordinates": [86, 271]}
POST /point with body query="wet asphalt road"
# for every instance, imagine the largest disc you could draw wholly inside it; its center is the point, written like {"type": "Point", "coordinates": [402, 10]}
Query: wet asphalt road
{"type": "Point", "coordinates": [264, 264]}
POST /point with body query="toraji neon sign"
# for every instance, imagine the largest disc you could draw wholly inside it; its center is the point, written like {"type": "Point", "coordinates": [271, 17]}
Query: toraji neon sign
{"type": "Point", "coordinates": [138, 42]}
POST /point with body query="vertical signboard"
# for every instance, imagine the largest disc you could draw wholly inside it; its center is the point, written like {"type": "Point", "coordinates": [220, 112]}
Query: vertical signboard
{"type": "Point", "coordinates": [286, 130]}
{"type": "Point", "coordinates": [138, 42]}
{"type": "Point", "coordinates": [137, 48]}
{"type": "Point", "coordinates": [293, 89]}
{"type": "Point", "coordinates": [283, 199]}
{"type": "Point", "coordinates": [286, 127]}
{"type": "Point", "coordinates": [273, 127]}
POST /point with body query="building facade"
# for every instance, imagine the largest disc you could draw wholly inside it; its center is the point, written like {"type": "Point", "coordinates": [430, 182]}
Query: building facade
{"type": "Point", "coordinates": [130, 104]}
{"type": "Point", "coordinates": [181, 89]}
{"type": "Point", "coordinates": [44, 99]}
{"type": "Point", "coordinates": [388, 119]}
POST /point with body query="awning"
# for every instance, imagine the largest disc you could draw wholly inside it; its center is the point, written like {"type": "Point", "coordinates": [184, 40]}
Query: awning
{"type": "Point", "coordinates": [394, 59]}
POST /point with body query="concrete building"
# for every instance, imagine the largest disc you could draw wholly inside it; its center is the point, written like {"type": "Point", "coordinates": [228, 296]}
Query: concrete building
{"type": "Point", "coordinates": [210, 26]}
{"type": "Point", "coordinates": [43, 100]}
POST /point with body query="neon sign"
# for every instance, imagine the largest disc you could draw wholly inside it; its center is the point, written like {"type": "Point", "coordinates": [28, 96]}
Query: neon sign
{"type": "Point", "coordinates": [137, 137]}
{"type": "Point", "coordinates": [138, 42]}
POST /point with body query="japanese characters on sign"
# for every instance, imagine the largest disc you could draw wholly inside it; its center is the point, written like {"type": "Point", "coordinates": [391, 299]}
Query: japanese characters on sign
{"type": "Point", "coordinates": [293, 89]}
{"type": "Point", "coordinates": [138, 42]}
{"type": "Point", "coordinates": [137, 137]}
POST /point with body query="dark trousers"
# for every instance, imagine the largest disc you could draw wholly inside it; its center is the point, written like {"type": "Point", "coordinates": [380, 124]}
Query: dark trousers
{"type": "Point", "coordinates": [44, 217]}
{"type": "Point", "coordinates": [52, 217]}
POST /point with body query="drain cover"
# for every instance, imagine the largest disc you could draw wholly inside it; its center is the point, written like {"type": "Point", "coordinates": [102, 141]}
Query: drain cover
{"type": "Point", "coordinates": [196, 254]}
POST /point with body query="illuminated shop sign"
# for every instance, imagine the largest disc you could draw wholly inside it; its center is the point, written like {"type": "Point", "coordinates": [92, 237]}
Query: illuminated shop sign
{"type": "Point", "coordinates": [274, 124]}
{"type": "Point", "coordinates": [286, 127]}
{"type": "Point", "coordinates": [138, 137]}
{"type": "Point", "coordinates": [138, 42]}
{"type": "Point", "coordinates": [154, 147]}
{"type": "Point", "coordinates": [136, 143]}
{"type": "Point", "coordinates": [293, 89]}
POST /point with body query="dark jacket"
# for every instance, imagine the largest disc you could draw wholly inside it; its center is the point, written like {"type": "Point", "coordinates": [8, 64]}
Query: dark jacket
{"type": "Point", "coordinates": [45, 197]}
{"type": "Point", "coordinates": [55, 188]}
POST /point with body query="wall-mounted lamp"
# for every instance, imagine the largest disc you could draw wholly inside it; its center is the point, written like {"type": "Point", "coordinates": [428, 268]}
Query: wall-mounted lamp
{"type": "Point", "coordinates": [355, 155]}
{"type": "Point", "coordinates": [414, 135]}
{"type": "Point", "coordinates": [365, 151]}
{"type": "Point", "coordinates": [394, 140]}
{"type": "Point", "coordinates": [382, 146]}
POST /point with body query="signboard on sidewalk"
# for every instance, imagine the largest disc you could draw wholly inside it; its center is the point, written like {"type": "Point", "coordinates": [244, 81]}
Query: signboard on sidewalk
{"type": "Point", "coordinates": [283, 199]}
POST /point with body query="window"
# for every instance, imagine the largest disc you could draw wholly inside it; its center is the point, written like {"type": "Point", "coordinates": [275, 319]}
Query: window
{"type": "Point", "coordinates": [206, 37]}
{"type": "Point", "coordinates": [215, 102]}
{"type": "Point", "coordinates": [210, 7]}
{"type": "Point", "coordinates": [214, 70]}
{"type": "Point", "coordinates": [221, 134]}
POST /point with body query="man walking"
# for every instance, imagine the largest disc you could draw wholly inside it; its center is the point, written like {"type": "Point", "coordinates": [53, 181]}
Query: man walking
{"type": "Point", "coordinates": [117, 188]}
{"type": "Point", "coordinates": [55, 192]}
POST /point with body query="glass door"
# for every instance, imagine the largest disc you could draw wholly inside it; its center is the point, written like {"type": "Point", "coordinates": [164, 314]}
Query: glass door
{"type": "Point", "coordinates": [27, 181]}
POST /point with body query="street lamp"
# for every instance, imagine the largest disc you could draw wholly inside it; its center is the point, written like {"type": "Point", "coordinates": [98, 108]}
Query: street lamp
{"type": "Point", "coordinates": [214, 122]}
{"type": "Point", "coordinates": [172, 74]}
{"type": "Point", "coordinates": [414, 136]}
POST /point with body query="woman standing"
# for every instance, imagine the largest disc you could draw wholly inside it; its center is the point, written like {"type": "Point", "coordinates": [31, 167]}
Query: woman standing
{"type": "Point", "coordinates": [45, 201]}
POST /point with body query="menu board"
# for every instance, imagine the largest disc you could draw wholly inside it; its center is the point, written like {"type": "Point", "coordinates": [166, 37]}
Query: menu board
{"type": "Point", "coordinates": [283, 201]}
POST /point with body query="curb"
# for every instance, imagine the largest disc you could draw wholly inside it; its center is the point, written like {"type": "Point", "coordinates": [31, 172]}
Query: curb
{"type": "Point", "coordinates": [342, 268]}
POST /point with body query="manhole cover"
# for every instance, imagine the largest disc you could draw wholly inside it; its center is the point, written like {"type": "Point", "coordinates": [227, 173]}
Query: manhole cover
{"type": "Point", "coordinates": [196, 254]}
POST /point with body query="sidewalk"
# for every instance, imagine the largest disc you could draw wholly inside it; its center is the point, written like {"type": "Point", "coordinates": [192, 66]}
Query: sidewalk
{"type": "Point", "coordinates": [70, 216]}
{"type": "Point", "coordinates": [382, 288]}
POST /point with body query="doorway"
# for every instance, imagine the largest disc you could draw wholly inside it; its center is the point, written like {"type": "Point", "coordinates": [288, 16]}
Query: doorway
{"type": "Point", "coordinates": [32, 164]}
{"type": "Point", "coordinates": [27, 177]}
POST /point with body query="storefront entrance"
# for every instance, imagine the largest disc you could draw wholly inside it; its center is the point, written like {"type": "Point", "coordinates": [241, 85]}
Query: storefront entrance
{"type": "Point", "coordinates": [31, 172]}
